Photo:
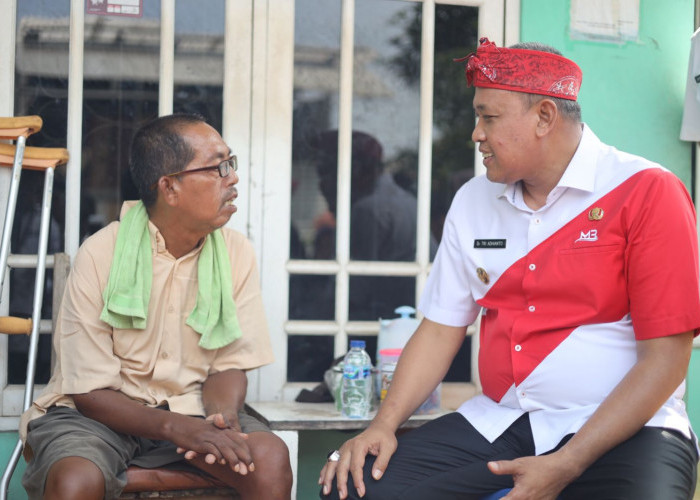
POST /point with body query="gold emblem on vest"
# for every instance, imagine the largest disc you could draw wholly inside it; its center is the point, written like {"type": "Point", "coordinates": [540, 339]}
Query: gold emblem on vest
{"type": "Point", "coordinates": [483, 275]}
{"type": "Point", "coordinates": [596, 213]}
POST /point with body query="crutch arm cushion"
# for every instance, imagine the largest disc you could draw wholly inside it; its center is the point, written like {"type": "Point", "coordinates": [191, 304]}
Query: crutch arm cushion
{"type": "Point", "coordinates": [14, 126]}
{"type": "Point", "coordinates": [13, 325]}
{"type": "Point", "coordinates": [35, 158]}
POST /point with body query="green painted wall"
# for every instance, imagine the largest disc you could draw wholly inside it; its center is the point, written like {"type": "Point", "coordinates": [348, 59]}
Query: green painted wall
{"type": "Point", "coordinates": [632, 93]}
{"type": "Point", "coordinates": [313, 449]}
{"type": "Point", "coordinates": [7, 444]}
{"type": "Point", "coordinates": [692, 394]}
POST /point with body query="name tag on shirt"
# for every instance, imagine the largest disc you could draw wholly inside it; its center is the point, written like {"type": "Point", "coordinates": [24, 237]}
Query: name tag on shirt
{"type": "Point", "coordinates": [489, 243]}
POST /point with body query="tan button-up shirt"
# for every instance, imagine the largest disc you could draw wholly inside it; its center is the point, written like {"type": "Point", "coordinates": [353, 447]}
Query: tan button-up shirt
{"type": "Point", "coordinates": [163, 363]}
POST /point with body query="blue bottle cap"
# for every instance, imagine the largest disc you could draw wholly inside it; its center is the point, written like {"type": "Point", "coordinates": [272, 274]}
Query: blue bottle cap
{"type": "Point", "coordinates": [405, 311]}
{"type": "Point", "coordinates": [360, 344]}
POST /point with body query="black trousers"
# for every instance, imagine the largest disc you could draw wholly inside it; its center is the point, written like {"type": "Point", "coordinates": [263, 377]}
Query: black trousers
{"type": "Point", "coordinates": [446, 459]}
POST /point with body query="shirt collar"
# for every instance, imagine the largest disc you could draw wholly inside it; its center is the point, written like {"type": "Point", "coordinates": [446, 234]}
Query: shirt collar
{"type": "Point", "coordinates": [580, 173]}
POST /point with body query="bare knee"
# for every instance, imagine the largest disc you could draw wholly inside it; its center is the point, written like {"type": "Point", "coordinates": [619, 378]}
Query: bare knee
{"type": "Point", "coordinates": [273, 471]}
{"type": "Point", "coordinates": [76, 478]}
{"type": "Point", "coordinates": [272, 477]}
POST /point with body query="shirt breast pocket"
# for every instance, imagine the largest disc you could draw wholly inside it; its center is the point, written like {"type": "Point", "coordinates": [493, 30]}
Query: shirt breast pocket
{"type": "Point", "coordinates": [593, 277]}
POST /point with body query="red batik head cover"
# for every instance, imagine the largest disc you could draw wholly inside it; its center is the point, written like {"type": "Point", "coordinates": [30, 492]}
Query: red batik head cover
{"type": "Point", "coordinates": [522, 70]}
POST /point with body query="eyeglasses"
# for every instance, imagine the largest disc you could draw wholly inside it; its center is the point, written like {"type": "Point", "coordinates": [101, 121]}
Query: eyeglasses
{"type": "Point", "coordinates": [224, 169]}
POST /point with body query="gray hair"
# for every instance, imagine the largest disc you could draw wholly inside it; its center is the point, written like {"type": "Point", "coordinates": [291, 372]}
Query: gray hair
{"type": "Point", "coordinates": [159, 149]}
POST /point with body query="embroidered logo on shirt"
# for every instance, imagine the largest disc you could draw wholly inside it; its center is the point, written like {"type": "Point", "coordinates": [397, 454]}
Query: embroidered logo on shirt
{"type": "Point", "coordinates": [489, 243]}
{"type": "Point", "coordinates": [591, 235]}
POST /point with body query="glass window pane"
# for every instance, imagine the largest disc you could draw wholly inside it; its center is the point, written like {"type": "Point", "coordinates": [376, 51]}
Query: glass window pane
{"type": "Point", "coordinates": [316, 84]}
{"type": "Point", "coordinates": [461, 368]}
{"type": "Point", "coordinates": [312, 296]}
{"type": "Point", "coordinates": [375, 297]}
{"type": "Point", "coordinates": [386, 118]}
{"type": "Point", "coordinates": [41, 88]}
{"type": "Point", "coordinates": [21, 304]}
{"type": "Point", "coordinates": [199, 59]}
{"type": "Point", "coordinates": [308, 357]}
{"type": "Point", "coordinates": [312, 235]}
{"type": "Point", "coordinates": [120, 94]}
{"type": "Point", "coordinates": [453, 115]}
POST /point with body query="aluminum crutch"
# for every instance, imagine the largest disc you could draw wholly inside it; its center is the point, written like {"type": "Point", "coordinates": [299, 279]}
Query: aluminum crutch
{"type": "Point", "coordinates": [46, 159]}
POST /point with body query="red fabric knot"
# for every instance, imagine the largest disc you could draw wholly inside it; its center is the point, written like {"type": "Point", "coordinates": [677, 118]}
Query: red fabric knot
{"type": "Point", "coordinates": [522, 70]}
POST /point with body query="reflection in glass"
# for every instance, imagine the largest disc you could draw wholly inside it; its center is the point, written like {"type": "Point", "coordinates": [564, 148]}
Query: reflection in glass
{"type": "Point", "coordinates": [382, 213]}
{"type": "Point", "coordinates": [199, 59]}
{"type": "Point", "coordinates": [21, 304]}
{"type": "Point", "coordinates": [312, 231]}
{"type": "Point", "coordinates": [316, 84]}
{"type": "Point", "coordinates": [308, 357]}
{"type": "Point", "coordinates": [312, 296]}
{"type": "Point", "coordinates": [386, 119]}
{"type": "Point", "coordinates": [384, 148]}
{"type": "Point", "coordinates": [41, 88]}
{"type": "Point", "coordinates": [453, 115]}
{"type": "Point", "coordinates": [120, 95]}
{"type": "Point", "coordinates": [375, 297]}
{"type": "Point", "coordinates": [461, 367]}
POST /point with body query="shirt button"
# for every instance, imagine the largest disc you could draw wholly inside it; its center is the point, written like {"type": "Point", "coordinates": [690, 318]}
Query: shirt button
{"type": "Point", "coordinates": [518, 347]}
{"type": "Point", "coordinates": [531, 308]}
{"type": "Point", "coordinates": [523, 394]}
{"type": "Point", "coordinates": [532, 267]}
{"type": "Point", "coordinates": [536, 220]}
{"type": "Point", "coordinates": [165, 355]}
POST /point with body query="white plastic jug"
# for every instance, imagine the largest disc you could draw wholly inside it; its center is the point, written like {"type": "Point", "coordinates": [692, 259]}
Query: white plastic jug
{"type": "Point", "coordinates": [394, 333]}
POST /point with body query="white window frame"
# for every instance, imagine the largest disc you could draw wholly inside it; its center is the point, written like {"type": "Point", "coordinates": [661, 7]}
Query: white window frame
{"type": "Point", "coordinates": [495, 19]}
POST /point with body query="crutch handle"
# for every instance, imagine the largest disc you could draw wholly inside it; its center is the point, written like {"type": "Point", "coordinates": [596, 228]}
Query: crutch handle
{"type": "Point", "coordinates": [16, 126]}
{"type": "Point", "coordinates": [35, 158]}
{"type": "Point", "coordinates": [13, 325]}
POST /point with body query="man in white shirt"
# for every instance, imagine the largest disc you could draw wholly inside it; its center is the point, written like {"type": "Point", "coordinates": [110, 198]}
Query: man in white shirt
{"type": "Point", "coordinates": [583, 263]}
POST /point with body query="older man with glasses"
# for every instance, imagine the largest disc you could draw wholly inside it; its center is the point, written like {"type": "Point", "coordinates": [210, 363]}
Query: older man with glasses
{"type": "Point", "coordinates": [161, 317]}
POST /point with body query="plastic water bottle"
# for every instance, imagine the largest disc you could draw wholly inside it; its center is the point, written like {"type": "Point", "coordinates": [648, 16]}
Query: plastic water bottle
{"type": "Point", "coordinates": [356, 392]}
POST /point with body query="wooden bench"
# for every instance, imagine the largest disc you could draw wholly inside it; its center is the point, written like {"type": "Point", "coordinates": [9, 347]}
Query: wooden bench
{"type": "Point", "coordinates": [164, 483]}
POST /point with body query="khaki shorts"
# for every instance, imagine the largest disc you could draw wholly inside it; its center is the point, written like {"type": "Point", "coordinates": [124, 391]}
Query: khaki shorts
{"type": "Point", "coordinates": [65, 432]}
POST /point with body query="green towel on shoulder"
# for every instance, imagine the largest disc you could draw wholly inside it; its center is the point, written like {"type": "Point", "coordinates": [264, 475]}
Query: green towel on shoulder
{"type": "Point", "coordinates": [128, 288]}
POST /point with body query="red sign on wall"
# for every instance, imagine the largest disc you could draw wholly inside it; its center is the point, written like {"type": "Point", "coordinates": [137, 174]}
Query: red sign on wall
{"type": "Point", "coordinates": [132, 8]}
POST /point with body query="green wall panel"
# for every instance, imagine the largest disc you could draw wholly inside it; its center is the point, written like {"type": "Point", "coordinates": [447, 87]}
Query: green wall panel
{"type": "Point", "coordinates": [632, 93]}
{"type": "Point", "coordinates": [7, 444]}
{"type": "Point", "coordinates": [693, 390]}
